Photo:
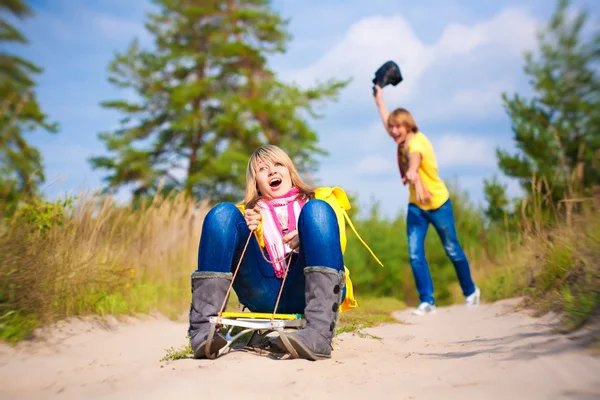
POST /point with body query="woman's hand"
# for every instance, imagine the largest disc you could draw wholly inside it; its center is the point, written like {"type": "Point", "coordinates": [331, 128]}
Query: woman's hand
{"type": "Point", "coordinates": [253, 218]}
{"type": "Point", "coordinates": [292, 239]}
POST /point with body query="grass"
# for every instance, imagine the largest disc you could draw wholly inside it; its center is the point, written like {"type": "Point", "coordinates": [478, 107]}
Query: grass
{"type": "Point", "coordinates": [556, 270]}
{"type": "Point", "coordinates": [91, 256]}
{"type": "Point", "coordinates": [173, 354]}
{"type": "Point", "coordinates": [371, 312]}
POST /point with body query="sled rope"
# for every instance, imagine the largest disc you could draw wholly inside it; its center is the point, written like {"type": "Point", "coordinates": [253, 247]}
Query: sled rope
{"type": "Point", "coordinates": [233, 278]}
{"type": "Point", "coordinates": [288, 257]}
{"type": "Point", "coordinates": [282, 335]}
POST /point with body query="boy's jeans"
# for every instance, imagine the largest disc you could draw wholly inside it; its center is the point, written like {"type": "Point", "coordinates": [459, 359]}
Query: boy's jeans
{"type": "Point", "coordinates": [417, 222]}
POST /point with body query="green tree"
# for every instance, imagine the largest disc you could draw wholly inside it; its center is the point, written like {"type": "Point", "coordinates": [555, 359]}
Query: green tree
{"type": "Point", "coordinates": [556, 131]}
{"type": "Point", "coordinates": [496, 198]}
{"type": "Point", "coordinates": [205, 99]}
{"type": "Point", "coordinates": [21, 169]}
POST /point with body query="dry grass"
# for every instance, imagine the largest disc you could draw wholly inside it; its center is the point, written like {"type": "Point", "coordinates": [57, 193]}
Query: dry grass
{"type": "Point", "coordinates": [96, 257]}
{"type": "Point", "coordinates": [554, 265]}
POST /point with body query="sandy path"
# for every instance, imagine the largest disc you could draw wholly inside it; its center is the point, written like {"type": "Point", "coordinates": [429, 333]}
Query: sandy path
{"type": "Point", "coordinates": [490, 352]}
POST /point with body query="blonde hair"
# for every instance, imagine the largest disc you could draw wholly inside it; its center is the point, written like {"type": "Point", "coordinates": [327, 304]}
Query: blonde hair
{"type": "Point", "coordinates": [272, 154]}
{"type": "Point", "coordinates": [402, 117]}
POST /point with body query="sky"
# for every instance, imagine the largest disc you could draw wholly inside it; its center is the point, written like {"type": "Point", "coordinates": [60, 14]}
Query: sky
{"type": "Point", "coordinates": [457, 57]}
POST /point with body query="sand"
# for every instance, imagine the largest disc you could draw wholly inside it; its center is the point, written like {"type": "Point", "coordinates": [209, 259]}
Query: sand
{"type": "Point", "coordinates": [491, 352]}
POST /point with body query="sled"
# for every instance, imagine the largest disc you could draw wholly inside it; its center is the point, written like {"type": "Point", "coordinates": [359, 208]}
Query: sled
{"type": "Point", "coordinates": [260, 324]}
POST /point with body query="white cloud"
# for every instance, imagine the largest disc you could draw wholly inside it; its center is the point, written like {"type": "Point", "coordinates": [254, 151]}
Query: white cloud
{"type": "Point", "coordinates": [464, 150]}
{"type": "Point", "coordinates": [460, 39]}
{"type": "Point", "coordinates": [374, 165]}
{"type": "Point", "coordinates": [476, 102]}
{"type": "Point", "coordinates": [367, 44]}
{"type": "Point", "coordinates": [447, 74]}
{"type": "Point", "coordinates": [370, 139]}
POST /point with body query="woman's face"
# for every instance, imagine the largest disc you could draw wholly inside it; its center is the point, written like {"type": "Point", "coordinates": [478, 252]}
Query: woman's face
{"type": "Point", "coordinates": [273, 179]}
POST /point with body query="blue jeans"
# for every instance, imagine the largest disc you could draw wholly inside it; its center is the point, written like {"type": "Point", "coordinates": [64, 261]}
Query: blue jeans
{"type": "Point", "coordinates": [417, 222]}
{"type": "Point", "coordinates": [224, 234]}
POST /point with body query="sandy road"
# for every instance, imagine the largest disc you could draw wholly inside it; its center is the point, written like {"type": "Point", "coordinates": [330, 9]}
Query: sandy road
{"type": "Point", "coordinates": [490, 352]}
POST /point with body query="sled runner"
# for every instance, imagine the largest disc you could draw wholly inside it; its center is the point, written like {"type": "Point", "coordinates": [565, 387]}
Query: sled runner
{"type": "Point", "coordinates": [260, 324]}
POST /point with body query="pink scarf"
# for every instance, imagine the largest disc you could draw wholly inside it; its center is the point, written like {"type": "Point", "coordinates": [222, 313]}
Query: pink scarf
{"type": "Point", "coordinates": [289, 209]}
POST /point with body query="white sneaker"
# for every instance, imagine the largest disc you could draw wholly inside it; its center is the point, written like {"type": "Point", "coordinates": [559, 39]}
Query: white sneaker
{"type": "Point", "coordinates": [424, 308]}
{"type": "Point", "coordinates": [473, 299]}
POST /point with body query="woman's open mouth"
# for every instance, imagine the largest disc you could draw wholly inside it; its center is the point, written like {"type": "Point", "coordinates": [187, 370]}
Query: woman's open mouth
{"type": "Point", "coordinates": [275, 183]}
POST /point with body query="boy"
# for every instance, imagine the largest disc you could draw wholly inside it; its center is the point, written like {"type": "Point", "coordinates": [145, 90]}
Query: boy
{"type": "Point", "coordinates": [429, 203]}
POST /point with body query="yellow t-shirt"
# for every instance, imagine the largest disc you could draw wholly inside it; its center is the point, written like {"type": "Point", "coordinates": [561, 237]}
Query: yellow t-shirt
{"type": "Point", "coordinates": [428, 171]}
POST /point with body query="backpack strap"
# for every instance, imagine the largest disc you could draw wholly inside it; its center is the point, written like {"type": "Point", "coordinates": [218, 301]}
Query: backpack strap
{"type": "Point", "coordinates": [359, 238]}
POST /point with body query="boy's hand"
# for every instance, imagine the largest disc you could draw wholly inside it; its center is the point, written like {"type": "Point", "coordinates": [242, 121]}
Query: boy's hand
{"type": "Point", "coordinates": [378, 95]}
{"type": "Point", "coordinates": [292, 239]}
{"type": "Point", "coordinates": [423, 194]}
{"type": "Point", "coordinates": [253, 218]}
{"type": "Point", "coordinates": [413, 176]}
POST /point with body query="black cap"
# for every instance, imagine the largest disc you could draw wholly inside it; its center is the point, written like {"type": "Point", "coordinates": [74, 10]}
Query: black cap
{"type": "Point", "coordinates": [388, 74]}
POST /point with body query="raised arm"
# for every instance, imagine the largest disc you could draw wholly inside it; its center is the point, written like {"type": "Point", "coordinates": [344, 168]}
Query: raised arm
{"type": "Point", "coordinates": [381, 108]}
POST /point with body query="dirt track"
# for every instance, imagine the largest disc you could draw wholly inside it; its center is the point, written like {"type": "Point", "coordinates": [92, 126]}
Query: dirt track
{"type": "Point", "coordinates": [490, 352]}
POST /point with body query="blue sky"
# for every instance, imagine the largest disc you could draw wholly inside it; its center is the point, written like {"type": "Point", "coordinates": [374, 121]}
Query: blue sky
{"type": "Point", "coordinates": [457, 57]}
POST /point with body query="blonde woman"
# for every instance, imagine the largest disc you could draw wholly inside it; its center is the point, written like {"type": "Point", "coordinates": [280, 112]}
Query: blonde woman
{"type": "Point", "coordinates": [288, 218]}
{"type": "Point", "coordinates": [429, 203]}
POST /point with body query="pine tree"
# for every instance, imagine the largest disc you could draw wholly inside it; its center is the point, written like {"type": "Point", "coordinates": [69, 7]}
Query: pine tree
{"type": "Point", "coordinates": [21, 169]}
{"type": "Point", "coordinates": [495, 195]}
{"type": "Point", "coordinates": [556, 131]}
{"type": "Point", "coordinates": [206, 99]}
